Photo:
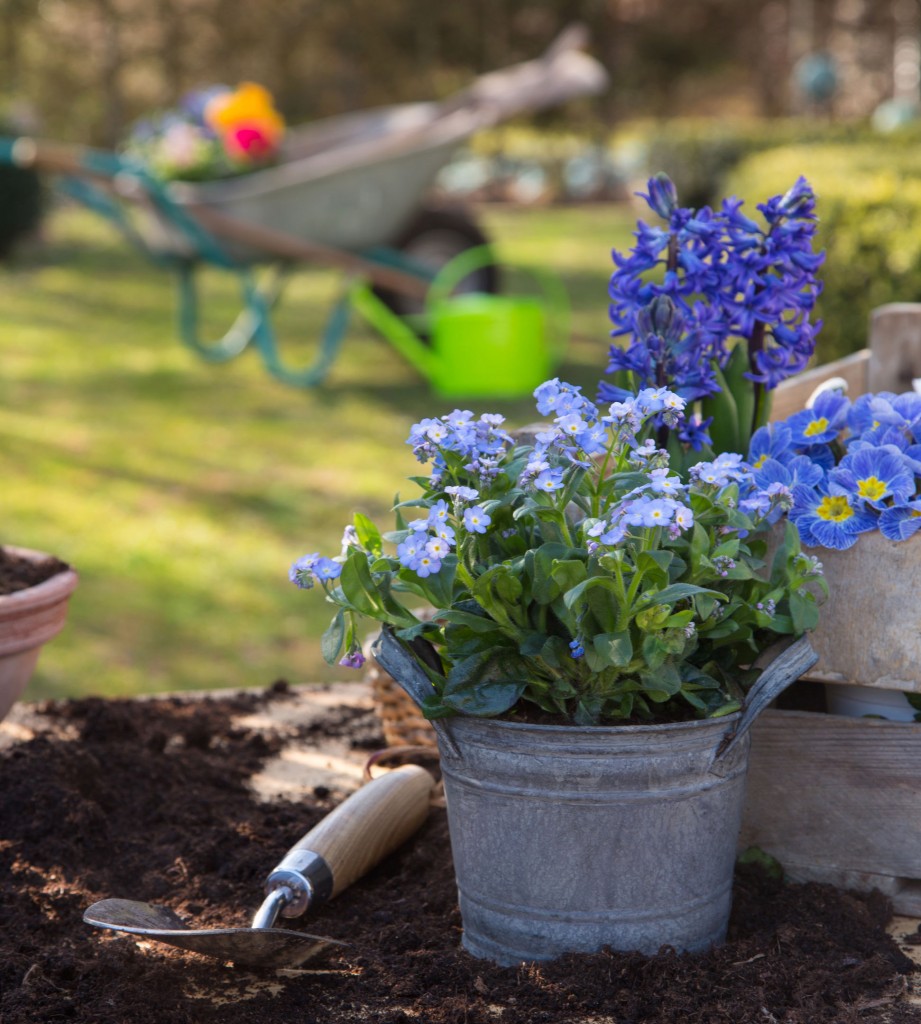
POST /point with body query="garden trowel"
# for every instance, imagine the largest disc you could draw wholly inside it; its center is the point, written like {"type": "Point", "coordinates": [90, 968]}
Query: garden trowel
{"type": "Point", "coordinates": [348, 842]}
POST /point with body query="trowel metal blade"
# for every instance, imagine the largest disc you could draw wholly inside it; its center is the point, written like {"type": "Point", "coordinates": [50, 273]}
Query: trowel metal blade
{"type": "Point", "coordinates": [248, 947]}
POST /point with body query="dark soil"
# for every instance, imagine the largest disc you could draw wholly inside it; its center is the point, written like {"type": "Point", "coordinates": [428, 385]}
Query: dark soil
{"type": "Point", "coordinates": [17, 573]}
{"type": "Point", "coordinates": [149, 800]}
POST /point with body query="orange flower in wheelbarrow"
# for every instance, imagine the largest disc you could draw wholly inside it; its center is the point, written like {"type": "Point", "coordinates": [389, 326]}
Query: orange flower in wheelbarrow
{"type": "Point", "coordinates": [247, 122]}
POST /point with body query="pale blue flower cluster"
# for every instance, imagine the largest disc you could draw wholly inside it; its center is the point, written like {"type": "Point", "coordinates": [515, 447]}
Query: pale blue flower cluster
{"type": "Point", "coordinates": [850, 467]}
{"type": "Point", "coordinates": [590, 481]}
{"type": "Point", "coordinates": [431, 539]}
{"type": "Point", "coordinates": [482, 441]}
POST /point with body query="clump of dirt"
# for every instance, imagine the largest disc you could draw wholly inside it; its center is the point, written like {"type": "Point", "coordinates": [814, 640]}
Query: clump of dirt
{"type": "Point", "coordinates": [149, 799]}
{"type": "Point", "coordinates": [18, 573]}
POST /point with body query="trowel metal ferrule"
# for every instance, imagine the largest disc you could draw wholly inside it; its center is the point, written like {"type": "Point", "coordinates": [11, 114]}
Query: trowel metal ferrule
{"type": "Point", "coordinates": [301, 880]}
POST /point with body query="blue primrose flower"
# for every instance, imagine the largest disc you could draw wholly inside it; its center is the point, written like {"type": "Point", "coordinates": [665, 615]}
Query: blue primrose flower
{"type": "Point", "coordinates": [823, 422]}
{"type": "Point", "coordinates": [774, 441]}
{"type": "Point", "coordinates": [873, 475]}
{"type": "Point", "coordinates": [901, 521]}
{"type": "Point", "coordinates": [829, 520]}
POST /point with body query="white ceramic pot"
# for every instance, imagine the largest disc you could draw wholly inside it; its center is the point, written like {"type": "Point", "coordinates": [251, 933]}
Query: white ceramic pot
{"type": "Point", "coordinates": [28, 619]}
{"type": "Point", "coordinates": [863, 701]}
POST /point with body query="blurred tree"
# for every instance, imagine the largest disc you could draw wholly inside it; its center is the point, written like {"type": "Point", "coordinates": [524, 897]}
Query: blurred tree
{"type": "Point", "coordinates": [91, 66]}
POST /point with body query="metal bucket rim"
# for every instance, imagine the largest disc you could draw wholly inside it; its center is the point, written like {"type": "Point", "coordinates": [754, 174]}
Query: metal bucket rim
{"type": "Point", "coordinates": [597, 730]}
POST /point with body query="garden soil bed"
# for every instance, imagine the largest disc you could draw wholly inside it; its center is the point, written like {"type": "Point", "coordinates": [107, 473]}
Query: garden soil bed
{"type": "Point", "coordinates": [152, 799]}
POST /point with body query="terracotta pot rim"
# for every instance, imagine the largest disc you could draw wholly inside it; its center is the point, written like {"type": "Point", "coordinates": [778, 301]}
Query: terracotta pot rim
{"type": "Point", "coordinates": [55, 588]}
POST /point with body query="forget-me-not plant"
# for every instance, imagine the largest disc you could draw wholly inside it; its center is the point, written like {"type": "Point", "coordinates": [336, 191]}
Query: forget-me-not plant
{"type": "Point", "coordinates": [577, 575]}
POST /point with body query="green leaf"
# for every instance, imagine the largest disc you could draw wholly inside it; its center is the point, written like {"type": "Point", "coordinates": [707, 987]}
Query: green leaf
{"type": "Point", "coordinates": [724, 430]}
{"type": "Point", "coordinates": [571, 597]}
{"type": "Point", "coordinates": [357, 585]}
{"type": "Point", "coordinates": [485, 685]}
{"type": "Point", "coordinates": [771, 866]}
{"type": "Point", "coordinates": [743, 391]}
{"type": "Point", "coordinates": [545, 589]}
{"type": "Point", "coordinates": [568, 572]}
{"type": "Point", "coordinates": [331, 641]}
{"type": "Point", "coordinates": [803, 612]}
{"type": "Point", "coordinates": [665, 679]}
{"type": "Point", "coordinates": [615, 648]}
{"type": "Point", "coordinates": [679, 591]}
{"type": "Point", "coordinates": [476, 623]}
{"type": "Point", "coordinates": [368, 534]}
{"type": "Point", "coordinates": [655, 650]}
{"type": "Point", "coordinates": [440, 586]}
{"type": "Point", "coordinates": [555, 652]}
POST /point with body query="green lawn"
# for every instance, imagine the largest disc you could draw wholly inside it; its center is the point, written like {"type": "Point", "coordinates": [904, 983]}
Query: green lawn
{"type": "Point", "coordinates": [180, 490]}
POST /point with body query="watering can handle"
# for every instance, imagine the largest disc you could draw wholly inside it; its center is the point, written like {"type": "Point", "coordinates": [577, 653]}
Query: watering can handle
{"type": "Point", "coordinates": [456, 269]}
{"type": "Point", "coordinates": [787, 667]}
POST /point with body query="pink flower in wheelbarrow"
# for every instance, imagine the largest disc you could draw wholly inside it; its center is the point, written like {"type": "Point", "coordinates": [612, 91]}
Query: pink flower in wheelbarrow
{"type": "Point", "coordinates": [247, 122]}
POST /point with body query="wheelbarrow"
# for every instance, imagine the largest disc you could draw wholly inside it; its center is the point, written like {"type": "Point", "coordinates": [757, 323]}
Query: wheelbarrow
{"type": "Point", "coordinates": [347, 194]}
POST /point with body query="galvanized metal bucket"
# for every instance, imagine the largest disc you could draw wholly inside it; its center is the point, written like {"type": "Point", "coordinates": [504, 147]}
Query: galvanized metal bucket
{"type": "Point", "coordinates": [568, 839]}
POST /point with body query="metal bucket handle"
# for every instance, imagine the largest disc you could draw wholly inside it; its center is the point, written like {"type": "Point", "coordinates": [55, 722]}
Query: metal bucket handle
{"type": "Point", "coordinates": [784, 669]}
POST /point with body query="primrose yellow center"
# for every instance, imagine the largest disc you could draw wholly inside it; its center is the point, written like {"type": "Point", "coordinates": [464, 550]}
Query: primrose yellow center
{"type": "Point", "coordinates": [835, 508]}
{"type": "Point", "coordinates": [872, 488]}
{"type": "Point", "coordinates": [761, 461]}
{"type": "Point", "coordinates": [818, 426]}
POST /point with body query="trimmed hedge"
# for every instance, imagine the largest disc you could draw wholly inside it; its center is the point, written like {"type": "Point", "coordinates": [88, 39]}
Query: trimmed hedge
{"type": "Point", "coordinates": [698, 154]}
{"type": "Point", "coordinates": [869, 208]}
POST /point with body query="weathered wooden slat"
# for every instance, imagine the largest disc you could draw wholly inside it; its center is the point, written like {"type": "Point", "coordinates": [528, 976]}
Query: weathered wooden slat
{"type": "Point", "coordinates": [792, 394]}
{"type": "Point", "coordinates": [838, 800]}
{"type": "Point", "coordinates": [895, 344]}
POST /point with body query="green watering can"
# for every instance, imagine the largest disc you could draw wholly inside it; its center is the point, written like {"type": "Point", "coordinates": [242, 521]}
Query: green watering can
{"type": "Point", "coordinates": [482, 345]}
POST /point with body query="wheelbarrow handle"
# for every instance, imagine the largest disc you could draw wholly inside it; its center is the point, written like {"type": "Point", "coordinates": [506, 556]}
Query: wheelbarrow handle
{"type": "Point", "coordinates": [347, 843]}
{"type": "Point", "coordinates": [59, 158]}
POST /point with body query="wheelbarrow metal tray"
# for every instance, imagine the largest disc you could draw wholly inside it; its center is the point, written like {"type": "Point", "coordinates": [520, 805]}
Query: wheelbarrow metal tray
{"type": "Point", "coordinates": [355, 195]}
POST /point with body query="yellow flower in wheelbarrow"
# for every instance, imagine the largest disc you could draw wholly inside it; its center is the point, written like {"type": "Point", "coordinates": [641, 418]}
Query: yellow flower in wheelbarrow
{"type": "Point", "coordinates": [247, 122]}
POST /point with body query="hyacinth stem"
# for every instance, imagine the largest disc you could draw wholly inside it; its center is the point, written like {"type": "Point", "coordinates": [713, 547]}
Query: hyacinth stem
{"type": "Point", "coordinates": [756, 345]}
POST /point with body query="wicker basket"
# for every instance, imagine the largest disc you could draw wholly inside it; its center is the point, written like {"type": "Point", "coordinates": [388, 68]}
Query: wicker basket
{"type": "Point", "coordinates": [402, 721]}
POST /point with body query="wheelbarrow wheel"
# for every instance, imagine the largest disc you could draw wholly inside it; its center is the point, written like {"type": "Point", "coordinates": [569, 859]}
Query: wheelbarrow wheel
{"type": "Point", "coordinates": [434, 237]}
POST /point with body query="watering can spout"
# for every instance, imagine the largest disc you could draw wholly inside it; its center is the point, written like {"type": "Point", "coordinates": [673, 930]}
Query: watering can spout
{"type": "Point", "coordinates": [395, 330]}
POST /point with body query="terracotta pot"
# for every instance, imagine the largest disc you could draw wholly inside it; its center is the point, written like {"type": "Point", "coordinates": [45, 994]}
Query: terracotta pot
{"type": "Point", "coordinates": [870, 627]}
{"type": "Point", "coordinates": [28, 619]}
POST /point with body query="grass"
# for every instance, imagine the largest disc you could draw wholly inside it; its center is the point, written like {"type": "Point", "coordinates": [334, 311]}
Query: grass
{"type": "Point", "coordinates": [182, 490]}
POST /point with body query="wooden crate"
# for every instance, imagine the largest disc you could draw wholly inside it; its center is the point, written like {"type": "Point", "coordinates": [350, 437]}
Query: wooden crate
{"type": "Point", "coordinates": [839, 799]}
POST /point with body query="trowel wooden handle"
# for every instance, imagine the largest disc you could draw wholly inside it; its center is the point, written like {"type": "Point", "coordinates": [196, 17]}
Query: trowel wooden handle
{"type": "Point", "coordinates": [350, 840]}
